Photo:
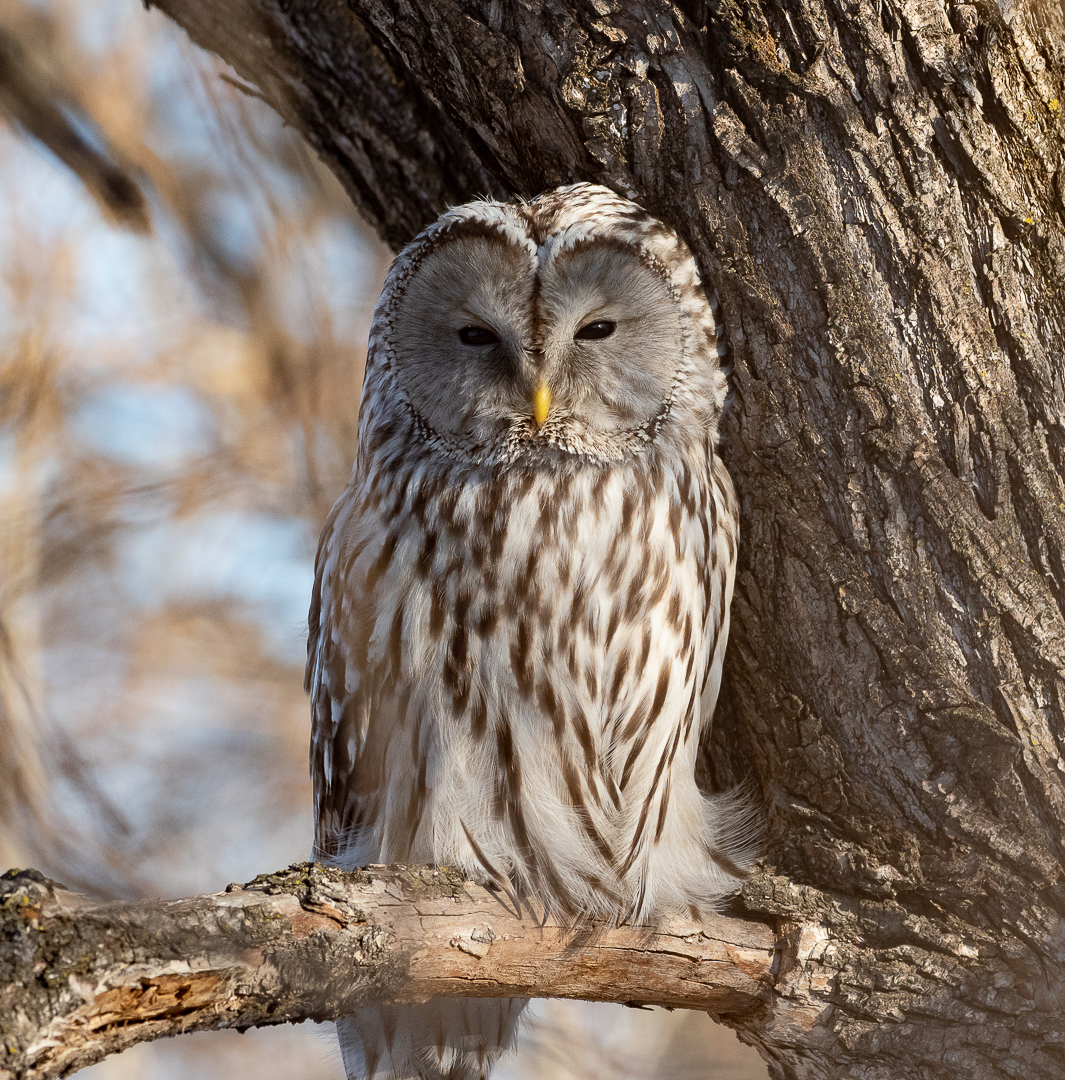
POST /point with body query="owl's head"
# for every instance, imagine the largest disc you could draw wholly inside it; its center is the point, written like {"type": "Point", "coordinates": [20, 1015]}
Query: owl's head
{"type": "Point", "coordinates": [576, 322]}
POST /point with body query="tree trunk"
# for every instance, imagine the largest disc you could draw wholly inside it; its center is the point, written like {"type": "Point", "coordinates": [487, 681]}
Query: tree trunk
{"type": "Point", "coordinates": [875, 191]}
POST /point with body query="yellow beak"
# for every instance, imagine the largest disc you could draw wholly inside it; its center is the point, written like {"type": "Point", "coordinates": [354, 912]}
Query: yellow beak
{"type": "Point", "coordinates": [541, 403]}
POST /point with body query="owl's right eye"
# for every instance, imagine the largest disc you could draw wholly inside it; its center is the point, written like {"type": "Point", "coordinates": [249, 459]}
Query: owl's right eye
{"type": "Point", "coordinates": [477, 335]}
{"type": "Point", "coordinates": [593, 331]}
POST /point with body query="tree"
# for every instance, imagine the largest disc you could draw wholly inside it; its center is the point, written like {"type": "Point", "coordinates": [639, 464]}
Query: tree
{"type": "Point", "coordinates": [875, 192]}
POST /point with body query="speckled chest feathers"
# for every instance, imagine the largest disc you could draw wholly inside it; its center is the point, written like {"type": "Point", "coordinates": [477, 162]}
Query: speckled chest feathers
{"type": "Point", "coordinates": [521, 599]}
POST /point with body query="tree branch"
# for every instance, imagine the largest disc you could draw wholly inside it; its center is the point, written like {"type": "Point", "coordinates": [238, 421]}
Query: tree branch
{"type": "Point", "coordinates": [81, 979]}
{"type": "Point", "coordinates": [51, 114]}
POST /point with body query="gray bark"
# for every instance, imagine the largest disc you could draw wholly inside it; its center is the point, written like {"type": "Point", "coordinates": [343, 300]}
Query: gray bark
{"type": "Point", "coordinates": [875, 191]}
{"type": "Point", "coordinates": [82, 979]}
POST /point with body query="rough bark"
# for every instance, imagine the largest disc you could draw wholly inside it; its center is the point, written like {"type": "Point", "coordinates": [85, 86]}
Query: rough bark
{"type": "Point", "coordinates": [875, 190]}
{"type": "Point", "coordinates": [82, 979]}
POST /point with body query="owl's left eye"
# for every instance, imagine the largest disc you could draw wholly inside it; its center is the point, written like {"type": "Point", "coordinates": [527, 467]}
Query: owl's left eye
{"type": "Point", "coordinates": [477, 335]}
{"type": "Point", "coordinates": [593, 331]}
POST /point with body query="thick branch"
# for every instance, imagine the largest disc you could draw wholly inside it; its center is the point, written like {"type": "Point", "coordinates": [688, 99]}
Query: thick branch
{"type": "Point", "coordinates": [82, 979]}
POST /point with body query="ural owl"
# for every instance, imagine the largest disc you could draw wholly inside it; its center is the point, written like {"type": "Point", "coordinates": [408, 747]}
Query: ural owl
{"type": "Point", "coordinates": [522, 597]}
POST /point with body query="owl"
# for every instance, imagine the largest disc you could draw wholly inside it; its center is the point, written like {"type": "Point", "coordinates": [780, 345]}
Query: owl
{"type": "Point", "coordinates": [521, 599]}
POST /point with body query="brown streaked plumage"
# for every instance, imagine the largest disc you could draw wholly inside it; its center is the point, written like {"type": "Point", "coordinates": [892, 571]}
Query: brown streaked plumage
{"type": "Point", "coordinates": [521, 599]}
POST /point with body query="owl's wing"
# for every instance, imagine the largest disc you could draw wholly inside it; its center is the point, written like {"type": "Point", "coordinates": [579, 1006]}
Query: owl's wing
{"type": "Point", "coordinates": [362, 730]}
{"type": "Point", "coordinates": [719, 570]}
{"type": "Point", "coordinates": [326, 681]}
{"type": "Point", "coordinates": [341, 690]}
{"type": "Point", "coordinates": [733, 829]}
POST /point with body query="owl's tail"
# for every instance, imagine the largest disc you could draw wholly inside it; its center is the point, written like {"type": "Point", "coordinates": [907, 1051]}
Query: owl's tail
{"type": "Point", "coordinates": [441, 1039]}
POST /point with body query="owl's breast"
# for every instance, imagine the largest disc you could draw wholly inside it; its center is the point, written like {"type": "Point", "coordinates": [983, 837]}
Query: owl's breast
{"type": "Point", "coordinates": [475, 587]}
{"type": "Point", "coordinates": [524, 655]}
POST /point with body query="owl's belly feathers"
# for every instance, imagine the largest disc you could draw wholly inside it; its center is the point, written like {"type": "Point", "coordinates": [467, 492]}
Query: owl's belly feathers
{"type": "Point", "coordinates": [526, 658]}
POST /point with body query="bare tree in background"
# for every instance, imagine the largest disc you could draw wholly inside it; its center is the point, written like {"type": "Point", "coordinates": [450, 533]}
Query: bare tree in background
{"type": "Point", "coordinates": [235, 204]}
{"type": "Point", "coordinates": [149, 743]}
{"type": "Point", "coordinates": [874, 190]}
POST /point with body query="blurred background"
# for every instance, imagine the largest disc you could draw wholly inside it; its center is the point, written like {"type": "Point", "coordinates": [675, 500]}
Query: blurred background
{"type": "Point", "coordinates": [185, 294]}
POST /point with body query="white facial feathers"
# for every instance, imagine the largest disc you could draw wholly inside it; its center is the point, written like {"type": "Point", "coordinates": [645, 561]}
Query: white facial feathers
{"type": "Point", "coordinates": [575, 321]}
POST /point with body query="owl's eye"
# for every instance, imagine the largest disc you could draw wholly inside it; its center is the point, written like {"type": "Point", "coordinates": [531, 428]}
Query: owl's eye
{"type": "Point", "coordinates": [593, 331]}
{"type": "Point", "coordinates": [477, 335]}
